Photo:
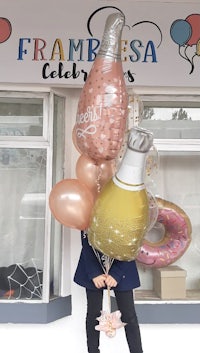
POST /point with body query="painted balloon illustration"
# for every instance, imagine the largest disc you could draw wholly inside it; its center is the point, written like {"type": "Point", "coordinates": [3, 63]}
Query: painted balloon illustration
{"type": "Point", "coordinates": [186, 33]}
{"type": "Point", "coordinates": [103, 103]}
{"type": "Point", "coordinates": [5, 29]}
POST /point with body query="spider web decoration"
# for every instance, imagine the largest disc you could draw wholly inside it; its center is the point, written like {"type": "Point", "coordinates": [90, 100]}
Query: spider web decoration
{"type": "Point", "coordinates": [25, 282]}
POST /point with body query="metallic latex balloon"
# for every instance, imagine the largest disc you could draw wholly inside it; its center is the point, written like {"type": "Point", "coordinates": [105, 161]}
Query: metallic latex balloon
{"type": "Point", "coordinates": [71, 203]}
{"type": "Point", "coordinates": [94, 174]}
{"type": "Point", "coordinates": [103, 103]}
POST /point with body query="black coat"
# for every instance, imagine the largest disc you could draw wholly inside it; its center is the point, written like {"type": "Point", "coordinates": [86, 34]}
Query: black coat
{"type": "Point", "coordinates": [124, 272]}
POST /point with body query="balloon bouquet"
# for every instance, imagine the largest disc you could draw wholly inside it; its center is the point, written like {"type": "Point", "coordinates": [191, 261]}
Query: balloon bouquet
{"type": "Point", "coordinates": [112, 205]}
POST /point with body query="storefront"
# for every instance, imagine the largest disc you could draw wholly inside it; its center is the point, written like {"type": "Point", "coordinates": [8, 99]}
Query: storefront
{"type": "Point", "coordinates": [43, 67]}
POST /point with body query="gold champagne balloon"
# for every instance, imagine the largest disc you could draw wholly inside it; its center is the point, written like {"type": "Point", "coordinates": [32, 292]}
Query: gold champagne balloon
{"type": "Point", "coordinates": [121, 213]}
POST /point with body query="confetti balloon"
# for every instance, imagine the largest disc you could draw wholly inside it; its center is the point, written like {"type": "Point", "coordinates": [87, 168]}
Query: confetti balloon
{"type": "Point", "coordinates": [120, 215]}
{"type": "Point", "coordinates": [103, 103]}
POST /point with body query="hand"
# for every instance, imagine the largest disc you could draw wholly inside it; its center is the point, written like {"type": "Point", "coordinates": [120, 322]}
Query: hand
{"type": "Point", "coordinates": [99, 281]}
{"type": "Point", "coordinates": [110, 281]}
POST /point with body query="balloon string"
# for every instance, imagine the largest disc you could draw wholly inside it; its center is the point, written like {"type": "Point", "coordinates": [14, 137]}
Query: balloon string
{"type": "Point", "coordinates": [104, 260]}
{"type": "Point", "coordinates": [99, 178]}
{"type": "Point", "coordinates": [109, 300]}
{"type": "Point", "coordinates": [106, 263]}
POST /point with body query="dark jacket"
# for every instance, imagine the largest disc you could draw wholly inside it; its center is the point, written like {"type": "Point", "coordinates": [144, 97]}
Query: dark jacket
{"type": "Point", "coordinates": [124, 272]}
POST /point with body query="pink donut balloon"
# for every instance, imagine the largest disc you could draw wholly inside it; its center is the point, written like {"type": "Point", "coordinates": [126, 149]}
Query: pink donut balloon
{"type": "Point", "coordinates": [103, 103]}
{"type": "Point", "coordinates": [175, 241]}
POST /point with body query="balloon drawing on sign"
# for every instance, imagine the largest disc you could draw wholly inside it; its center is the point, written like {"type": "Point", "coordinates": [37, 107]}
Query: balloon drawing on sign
{"type": "Point", "coordinates": [186, 33]}
{"type": "Point", "coordinates": [5, 29]}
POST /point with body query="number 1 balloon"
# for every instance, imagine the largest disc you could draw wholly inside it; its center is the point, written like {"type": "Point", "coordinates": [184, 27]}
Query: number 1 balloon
{"type": "Point", "coordinates": [120, 216]}
{"type": "Point", "coordinates": [103, 103]}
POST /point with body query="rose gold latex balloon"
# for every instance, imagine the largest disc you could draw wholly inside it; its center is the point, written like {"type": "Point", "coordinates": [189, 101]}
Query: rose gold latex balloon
{"type": "Point", "coordinates": [103, 103]}
{"type": "Point", "coordinates": [86, 172]}
{"type": "Point", "coordinates": [94, 174]}
{"type": "Point", "coordinates": [106, 170]}
{"type": "Point", "coordinates": [71, 203]}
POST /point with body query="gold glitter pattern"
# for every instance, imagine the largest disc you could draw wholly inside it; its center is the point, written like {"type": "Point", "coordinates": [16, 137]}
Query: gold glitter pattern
{"type": "Point", "coordinates": [118, 222]}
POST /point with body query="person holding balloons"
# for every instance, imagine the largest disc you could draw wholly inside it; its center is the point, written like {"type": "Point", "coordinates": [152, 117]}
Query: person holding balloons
{"type": "Point", "coordinates": [122, 277]}
{"type": "Point", "coordinates": [111, 236]}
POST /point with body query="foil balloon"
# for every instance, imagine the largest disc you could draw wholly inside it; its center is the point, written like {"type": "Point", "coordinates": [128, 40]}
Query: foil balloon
{"type": "Point", "coordinates": [135, 111]}
{"type": "Point", "coordinates": [173, 230]}
{"type": "Point", "coordinates": [135, 108]}
{"type": "Point", "coordinates": [103, 103]}
{"type": "Point", "coordinates": [109, 322]}
{"type": "Point", "coordinates": [153, 211]}
{"type": "Point", "coordinates": [74, 140]}
{"type": "Point", "coordinates": [71, 203]}
{"type": "Point", "coordinates": [120, 215]}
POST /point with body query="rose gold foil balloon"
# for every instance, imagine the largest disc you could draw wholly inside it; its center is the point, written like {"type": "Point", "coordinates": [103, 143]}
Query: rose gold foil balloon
{"type": "Point", "coordinates": [94, 174]}
{"type": "Point", "coordinates": [103, 104]}
{"type": "Point", "coordinates": [71, 203]}
{"type": "Point", "coordinates": [74, 140]}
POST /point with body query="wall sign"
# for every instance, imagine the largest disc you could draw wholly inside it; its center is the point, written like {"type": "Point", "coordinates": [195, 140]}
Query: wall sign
{"type": "Point", "coordinates": [57, 44]}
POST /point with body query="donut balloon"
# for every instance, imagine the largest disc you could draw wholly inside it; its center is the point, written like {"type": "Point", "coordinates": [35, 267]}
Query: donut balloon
{"type": "Point", "coordinates": [176, 238]}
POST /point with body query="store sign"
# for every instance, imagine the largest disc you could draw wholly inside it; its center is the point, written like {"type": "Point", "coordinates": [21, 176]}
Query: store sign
{"type": "Point", "coordinates": [159, 46]}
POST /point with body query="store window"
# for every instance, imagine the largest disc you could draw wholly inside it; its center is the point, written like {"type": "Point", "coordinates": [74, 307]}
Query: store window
{"type": "Point", "coordinates": [31, 160]}
{"type": "Point", "coordinates": [175, 123]}
{"type": "Point", "coordinates": [22, 117]}
{"type": "Point", "coordinates": [173, 117]}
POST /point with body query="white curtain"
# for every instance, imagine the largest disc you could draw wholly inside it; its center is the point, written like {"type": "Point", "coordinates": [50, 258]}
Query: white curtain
{"type": "Point", "coordinates": [22, 206]}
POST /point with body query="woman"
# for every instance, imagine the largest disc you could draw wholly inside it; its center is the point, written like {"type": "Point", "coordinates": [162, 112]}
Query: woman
{"type": "Point", "coordinates": [122, 278]}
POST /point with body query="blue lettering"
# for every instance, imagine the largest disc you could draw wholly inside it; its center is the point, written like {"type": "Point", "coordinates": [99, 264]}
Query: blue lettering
{"type": "Point", "coordinates": [92, 51]}
{"type": "Point", "coordinates": [73, 47]}
{"type": "Point", "coordinates": [21, 48]}
{"type": "Point", "coordinates": [152, 53]}
{"type": "Point", "coordinates": [133, 44]}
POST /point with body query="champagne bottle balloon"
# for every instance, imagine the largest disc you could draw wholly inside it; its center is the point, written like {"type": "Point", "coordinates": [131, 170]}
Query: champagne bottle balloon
{"type": "Point", "coordinates": [103, 104]}
{"type": "Point", "coordinates": [121, 213]}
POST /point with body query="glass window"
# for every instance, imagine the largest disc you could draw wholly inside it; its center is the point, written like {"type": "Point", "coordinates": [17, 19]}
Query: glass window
{"type": "Point", "coordinates": [177, 118]}
{"type": "Point", "coordinates": [177, 182]}
{"type": "Point", "coordinates": [30, 238]}
{"type": "Point", "coordinates": [58, 174]}
{"type": "Point", "coordinates": [22, 222]}
{"type": "Point", "coordinates": [21, 116]}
